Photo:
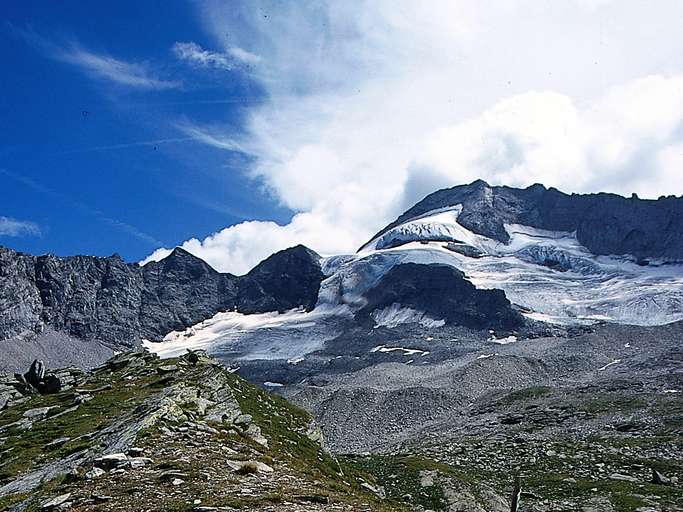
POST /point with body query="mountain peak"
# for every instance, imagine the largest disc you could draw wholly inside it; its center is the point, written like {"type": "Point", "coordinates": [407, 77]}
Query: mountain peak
{"type": "Point", "coordinates": [479, 183]}
{"type": "Point", "coordinates": [183, 259]}
{"type": "Point", "coordinates": [643, 229]}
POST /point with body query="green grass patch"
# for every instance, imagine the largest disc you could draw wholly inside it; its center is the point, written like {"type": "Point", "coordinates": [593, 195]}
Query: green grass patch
{"type": "Point", "coordinates": [529, 393]}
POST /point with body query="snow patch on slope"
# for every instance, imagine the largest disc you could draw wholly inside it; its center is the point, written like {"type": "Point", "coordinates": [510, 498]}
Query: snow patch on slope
{"type": "Point", "coordinates": [396, 314]}
{"type": "Point", "coordinates": [406, 351]}
{"type": "Point", "coordinates": [288, 336]}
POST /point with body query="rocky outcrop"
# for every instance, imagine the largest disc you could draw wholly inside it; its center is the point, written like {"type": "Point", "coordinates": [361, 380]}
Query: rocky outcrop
{"type": "Point", "coordinates": [182, 290]}
{"type": "Point", "coordinates": [283, 281]}
{"type": "Point", "coordinates": [111, 301]}
{"type": "Point", "coordinates": [139, 433]}
{"type": "Point", "coordinates": [442, 292]}
{"type": "Point", "coordinates": [604, 223]}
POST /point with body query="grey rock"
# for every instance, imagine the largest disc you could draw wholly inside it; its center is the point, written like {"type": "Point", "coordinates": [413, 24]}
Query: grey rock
{"type": "Point", "coordinates": [623, 478]}
{"type": "Point", "coordinates": [112, 461]}
{"type": "Point", "coordinates": [139, 462]}
{"type": "Point", "coordinates": [442, 292]}
{"type": "Point", "coordinates": [254, 432]}
{"type": "Point", "coordinates": [94, 473]}
{"type": "Point", "coordinates": [9, 395]}
{"type": "Point", "coordinates": [285, 280]}
{"type": "Point", "coordinates": [58, 442]}
{"type": "Point", "coordinates": [106, 300]}
{"type": "Point", "coordinates": [170, 475]}
{"type": "Point", "coordinates": [37, 413]}
{"type": "Point", "coordinates": [51, 384]}
{"type": "Point", "coordinates": [56, 503]}
{"type": "Point", "coordinates": [170, 368]}
{"type": "Point", "coordinates": [252, 465]}
{"type": "Point", "coordinates": [35, 373]}
{"type": "Point", "coordinates": [135, 451]}
{"type": "Point", "coordinates": [243, 420]}
{"type": "Point", "coordinates": [598, 504]}
{"type": "Point", "coordinates": [659, 479]}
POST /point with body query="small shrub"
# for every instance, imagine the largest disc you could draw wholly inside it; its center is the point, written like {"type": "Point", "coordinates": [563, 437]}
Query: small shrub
{"type": "Point", "coordinates": [248, 468]}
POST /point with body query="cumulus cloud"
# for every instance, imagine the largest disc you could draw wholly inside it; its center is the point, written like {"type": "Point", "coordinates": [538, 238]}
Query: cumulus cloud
{"type": "Point", "coordinates": [14, 227]}
{"type": "Point", "coordinates": [238, 248]}
{"type": "Point", "coordinates": [374, 104]}
{"type": "Point", "coordinates": [614, 143]}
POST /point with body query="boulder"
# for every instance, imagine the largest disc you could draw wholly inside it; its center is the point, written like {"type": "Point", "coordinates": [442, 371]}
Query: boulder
{"type": "Point", "coordinates": [170, 475]}
{"type": "Point", "coordinates": [35, 373]}
{"type": "Point", "coordinates": [659, 479]}
{"type": "Point", "coordinates": [60, 441]}
{"type": "Point", "coordinates": [139, 462]}
{"type": "Point", "coordinates": [165, 369]}
{"type": "Point", "coordinates": [38, 413]}
{"type": "Point", "coordinates": [112, 461]}
{"type": "Point", "coordinates": [94, 473]}
{"type": "Point", "coordinates": [250, 466]}
{"type": "Point", "coordinates": [60, 502]}
{"type": "Point", "coordinates": [623, 478]}
{"type": "Point", "coordinates": [51, 384]}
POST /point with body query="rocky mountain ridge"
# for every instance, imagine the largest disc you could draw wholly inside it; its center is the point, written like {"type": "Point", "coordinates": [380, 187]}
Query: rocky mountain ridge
{"type": "Point", "coordinates": [606, 224]}
{"type": "Point", "coordinates": [119, 304]}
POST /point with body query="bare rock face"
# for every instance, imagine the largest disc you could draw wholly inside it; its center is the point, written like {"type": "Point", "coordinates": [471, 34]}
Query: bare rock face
{"type": "Point", "coordinates": [182, 290]}
{"type": "Point", "coordinates": [283, 281]}
{"type": "Point", "coordinates": [88, 297]}
{"type": "Point", "coordinates": [442, 292]}
{"type": "Point", "coordinates": [604, 223]}
{"type": "Point", "coordinates": [20, 301]}
{"type": "Point", "coordinates": [119, 304]}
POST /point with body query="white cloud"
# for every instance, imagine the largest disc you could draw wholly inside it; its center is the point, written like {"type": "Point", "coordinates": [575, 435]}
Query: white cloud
{"type": "Point", "coordinates": [234, 56]}
{"type": "Point", "coordinates": [195, 54]}
{"type": "Point", "coordinates": [238, 248]}
{"type": "Point", "coordinates": [612, 143]}
{"type": "Point", "coordinates": [138, 75]}
{"type": "Point", "coordinates": [210, 137]}
{"type": "Point", "coordinates": [373, 104]}
{"type": "Point", "coordinates": [105, 67]}
{"type": "Point", "coordinates": [14, 227]}
{"type": "Point", "coordinates": [244, 56]}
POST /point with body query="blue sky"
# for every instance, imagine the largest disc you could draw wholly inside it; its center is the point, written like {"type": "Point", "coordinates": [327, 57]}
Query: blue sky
{"type": "Point", "coordinates": [235, 129]}
{"type": "Point", "coordinates": [97, 166]}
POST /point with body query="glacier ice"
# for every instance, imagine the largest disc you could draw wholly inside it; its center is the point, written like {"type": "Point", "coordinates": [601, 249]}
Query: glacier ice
{"type": "Point", "coordinates": [548, 273]}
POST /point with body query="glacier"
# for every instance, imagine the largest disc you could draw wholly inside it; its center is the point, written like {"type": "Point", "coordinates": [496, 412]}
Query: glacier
{"type": "Point", "coordinates": [548, 274]}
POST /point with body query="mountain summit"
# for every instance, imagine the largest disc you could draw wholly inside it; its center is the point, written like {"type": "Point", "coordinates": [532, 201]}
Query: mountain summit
{"type": "Point", "coordinates": [606, 224]}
